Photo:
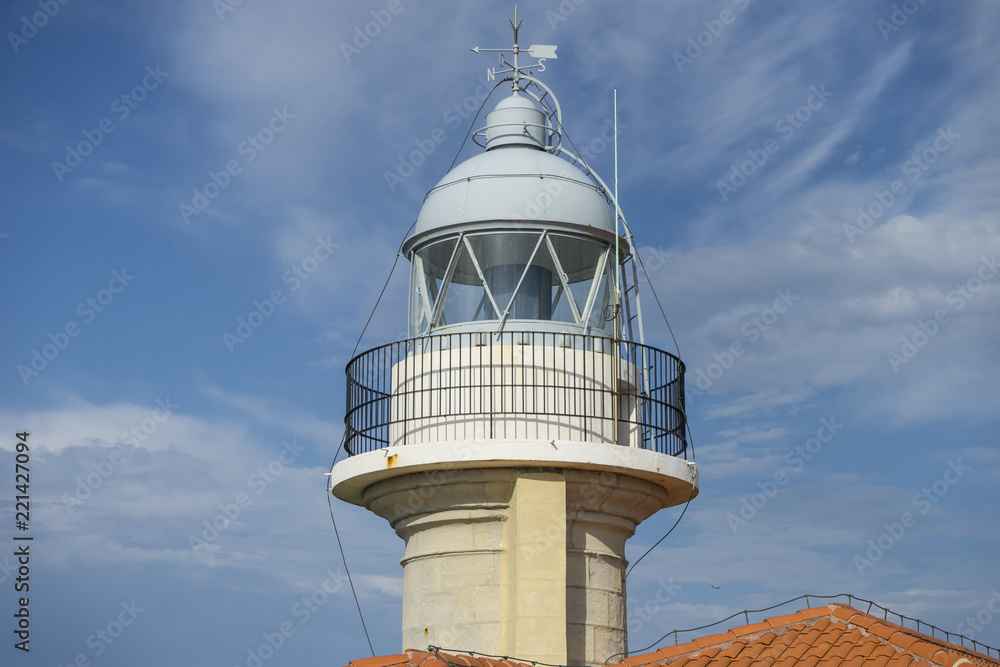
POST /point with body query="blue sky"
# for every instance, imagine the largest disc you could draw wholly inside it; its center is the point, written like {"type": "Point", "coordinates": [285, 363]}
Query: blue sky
{"type": "Point", "coordinates": [870, 216]}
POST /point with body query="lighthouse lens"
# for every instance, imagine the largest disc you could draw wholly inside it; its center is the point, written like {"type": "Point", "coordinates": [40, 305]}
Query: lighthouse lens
{"type": "Point", "coordinates": [532, 301]}
{"type": "Point", "coordinates": [513, 275]}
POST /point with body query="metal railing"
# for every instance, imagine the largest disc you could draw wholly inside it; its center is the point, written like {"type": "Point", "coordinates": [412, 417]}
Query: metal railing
{"type": "Point", "coordinates": [538, 385]}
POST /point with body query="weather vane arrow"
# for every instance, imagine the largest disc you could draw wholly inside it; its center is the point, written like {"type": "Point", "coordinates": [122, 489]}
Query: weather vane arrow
{"type": "Point", "coordinates": [541, 52]}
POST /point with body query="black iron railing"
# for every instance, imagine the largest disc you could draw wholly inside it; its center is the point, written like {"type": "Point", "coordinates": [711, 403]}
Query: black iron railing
{"type": "Point", "coordinates": [515, 385]}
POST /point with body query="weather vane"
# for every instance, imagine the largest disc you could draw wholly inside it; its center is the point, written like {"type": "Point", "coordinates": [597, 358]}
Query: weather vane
{"type": "Point", "coordinates": [541, 52]}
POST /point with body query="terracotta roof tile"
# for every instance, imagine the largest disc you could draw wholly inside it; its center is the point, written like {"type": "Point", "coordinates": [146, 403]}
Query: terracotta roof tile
{"type": "Point", "coordinates": [924, 649]}
{"type": "Point", "coordinates": [949, 659]}
{"type": "Point", "coordinates": [677, 649]}
{"type": "Point", "coordinates": [942, 657]}
{"type": "Point", "coordinates": [787, 619]}
{"type": "Point", "coordinates": [839, 650]}
{"type": "Point", "coordinates": [883, 630]}
{"type": "Point", "coordinates": [850, 635]}
{"type": "Point", "coordinates": [901, 660]}
{"type": "Point", "coordinates": [382, 661]}
{"type": "Point", "coordinates": [903, 639]}
{"type": "Point", "coordinates": [867, 647]}
{"type": "Point", "coordinates": [754, 649]}
{"type": "Point", "coordinates": [797, 650]}
{"type": "Point", "coordinates": [700, 661]}
{"type": "Point", "coordinates": [884, 651]}
{"type": "Point", "coordinates": [878, 661]}
{"type": "Point", "coordinates": [816, 651]}
{"type": "Point", "coordinates": [833, 636]}
{"type": "Point", "coordinates": [753, 628]}
{"type": "Point", "coordinates": [664, 652]}
{"type": "Point", "coordinates": [713, 640]}
{"type": "Point", "coordinates": [864, 621]}
{"type": "Point", "coordinates": [815, 612]}
{"type": "Point", "coordinates": [734, 650]}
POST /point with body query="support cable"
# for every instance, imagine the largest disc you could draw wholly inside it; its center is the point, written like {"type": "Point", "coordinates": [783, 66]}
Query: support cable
{"type": "Point", "coordinates": [340, 545]}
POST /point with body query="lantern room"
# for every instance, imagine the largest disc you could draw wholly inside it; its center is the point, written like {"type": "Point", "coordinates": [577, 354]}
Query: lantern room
{"type": "Point", "coordinates": [514, 234]}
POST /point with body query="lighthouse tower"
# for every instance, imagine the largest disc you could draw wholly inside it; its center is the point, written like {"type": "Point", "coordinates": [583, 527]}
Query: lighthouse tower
{"type": "Point", "coordinates": [522, 432]}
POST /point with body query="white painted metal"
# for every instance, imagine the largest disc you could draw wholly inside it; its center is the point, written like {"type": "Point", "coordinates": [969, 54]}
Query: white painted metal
{"type": "Point", "coordinates": [351, 476]}
{"type": "Point", "coordinates": [513, 184]}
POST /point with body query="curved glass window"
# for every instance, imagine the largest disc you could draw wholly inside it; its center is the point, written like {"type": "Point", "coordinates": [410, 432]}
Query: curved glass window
{"type": "Point", "coordinates": [503, 276]}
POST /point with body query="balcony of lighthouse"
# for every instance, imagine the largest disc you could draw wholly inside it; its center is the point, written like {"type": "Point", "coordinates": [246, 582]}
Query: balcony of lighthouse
{"type": "Point", "coordinates": [516, 385]}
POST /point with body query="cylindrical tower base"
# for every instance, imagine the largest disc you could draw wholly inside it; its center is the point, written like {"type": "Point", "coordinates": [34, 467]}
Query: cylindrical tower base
{"type": "Point", "coordinates": [521, 561]}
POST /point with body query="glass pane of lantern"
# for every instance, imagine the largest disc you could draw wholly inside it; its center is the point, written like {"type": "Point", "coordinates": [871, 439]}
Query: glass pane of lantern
{"type": "Point", "coordinates": [435, 257]}
{"type": "Point", "coordinates": [600, 316]}
{"type": "Point", "coordinates": [503, 258]}
{"type": "Point", "coordinates": [465, 299]}
{"type": "Point", "coordinates": [418, 299]}
{"type": "Point", "coordinates": [580, 259]}
{"type": "Point", "coordinates": [429, 266]}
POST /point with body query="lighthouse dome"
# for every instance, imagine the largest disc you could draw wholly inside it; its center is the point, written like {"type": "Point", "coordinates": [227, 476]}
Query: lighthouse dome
{"type": "Point", "coordinates": [515, 180]}
{"type": "Point", "coordinates": [513, 233]}
{"type": "Point", "coordinates": [511, 184]}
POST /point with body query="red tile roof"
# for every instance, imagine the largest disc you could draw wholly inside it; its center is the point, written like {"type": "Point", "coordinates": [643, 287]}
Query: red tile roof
{"type": "Point", "coordinates": [414, 658]}
{"type": "Point", "coordinates": [832, 636]}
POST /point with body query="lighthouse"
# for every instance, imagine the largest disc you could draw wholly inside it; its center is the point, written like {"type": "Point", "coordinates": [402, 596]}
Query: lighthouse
{"type": "Point", "coordinates": [523, 430]}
